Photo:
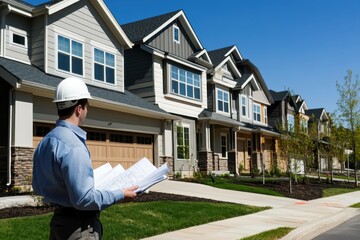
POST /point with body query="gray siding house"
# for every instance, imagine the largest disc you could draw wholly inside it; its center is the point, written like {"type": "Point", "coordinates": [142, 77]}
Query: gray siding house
{"type": "Point", "coordinates": [40, 46]}
{"type": "Point", "coordinates": [167, 66]}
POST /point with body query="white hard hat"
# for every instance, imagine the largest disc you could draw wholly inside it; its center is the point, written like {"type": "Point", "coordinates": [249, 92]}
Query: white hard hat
{"type": "Point", "coordinates": [69, 90]}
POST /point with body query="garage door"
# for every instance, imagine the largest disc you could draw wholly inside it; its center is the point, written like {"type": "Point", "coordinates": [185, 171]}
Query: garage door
{"type": "Point", "coordinates": [110, 146]}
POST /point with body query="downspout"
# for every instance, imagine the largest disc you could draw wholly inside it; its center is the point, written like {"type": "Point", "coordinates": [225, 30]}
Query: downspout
{"type": "Point", "coordinates": [11, 91]}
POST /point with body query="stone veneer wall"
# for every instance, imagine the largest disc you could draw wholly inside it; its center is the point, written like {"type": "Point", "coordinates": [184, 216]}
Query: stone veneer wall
{"type": "Point", "coordinates": [205, 163]}
{"type": "Point", "coordinates": [21, 167]}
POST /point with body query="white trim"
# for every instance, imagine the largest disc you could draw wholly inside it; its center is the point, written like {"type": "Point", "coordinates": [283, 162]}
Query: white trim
{"type": "Point", "coordinates": [57, 56]}
{"type": "Point", "coordinates": [176, 29]}
{"type": "Point", "coordinates": [60, 5]}
{"type": "Point", "coordinates": [257, 113]}
{"type": "Point", "coordinates": [233, 67]}
{"type": "Point", "coordinates": [217, 100]}
{"type": "Point", "coordinates": [234, 48]}
{"type": "Point", "coordinates": [252, 77]}
{"type": "Point", "coordinates": [11, 40]}
{"type": "Point", "coordinates": [21, 12]}
{"type": "Point", "coordinates": [104, 65]}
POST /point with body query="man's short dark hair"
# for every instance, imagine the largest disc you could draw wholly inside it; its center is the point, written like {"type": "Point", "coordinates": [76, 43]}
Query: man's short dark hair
{"type": "Point", "coordinates": [67, 112]}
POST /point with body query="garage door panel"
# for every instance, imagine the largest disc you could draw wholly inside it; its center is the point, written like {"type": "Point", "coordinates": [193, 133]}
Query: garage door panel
{"type": "Point", "coordinates": [102, 150]}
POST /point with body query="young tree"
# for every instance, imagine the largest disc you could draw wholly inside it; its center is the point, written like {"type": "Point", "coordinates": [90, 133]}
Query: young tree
{"type": "Point", "coordinates": [349, 110]}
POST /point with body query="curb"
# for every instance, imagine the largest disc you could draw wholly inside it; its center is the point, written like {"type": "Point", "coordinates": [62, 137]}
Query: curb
{"type": "Point", "coordinates": [316, 227]}
{"type": "Point", "coordinates": [17, 201]}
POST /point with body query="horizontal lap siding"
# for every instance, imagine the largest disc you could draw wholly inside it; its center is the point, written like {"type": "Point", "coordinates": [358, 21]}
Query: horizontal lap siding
{"type": "Point", "coordinates": [83, 21]}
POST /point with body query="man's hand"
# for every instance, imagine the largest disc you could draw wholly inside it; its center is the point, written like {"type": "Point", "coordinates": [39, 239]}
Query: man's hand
{"type": "Point", "coordinates": [129, 193]}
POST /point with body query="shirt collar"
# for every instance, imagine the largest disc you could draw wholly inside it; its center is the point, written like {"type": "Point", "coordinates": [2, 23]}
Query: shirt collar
{"type": "Point", "coordinates": [77, 130]}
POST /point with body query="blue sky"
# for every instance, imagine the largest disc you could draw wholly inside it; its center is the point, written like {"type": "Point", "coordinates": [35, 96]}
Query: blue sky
{"type": "Point", "coordinates": [300, 45]}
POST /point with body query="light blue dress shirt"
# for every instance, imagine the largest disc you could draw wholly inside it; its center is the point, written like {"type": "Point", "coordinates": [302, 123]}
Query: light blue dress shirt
{"type": "Point", "coordinates": [62, 171]}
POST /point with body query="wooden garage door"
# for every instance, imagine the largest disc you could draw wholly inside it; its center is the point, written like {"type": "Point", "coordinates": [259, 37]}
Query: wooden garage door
{"type": "Point", "coordinates": [109, 146]}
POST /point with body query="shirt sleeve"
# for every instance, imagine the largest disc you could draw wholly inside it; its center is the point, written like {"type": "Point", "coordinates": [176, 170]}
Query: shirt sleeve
{"type": "Point", "coordinates": [79, 180]}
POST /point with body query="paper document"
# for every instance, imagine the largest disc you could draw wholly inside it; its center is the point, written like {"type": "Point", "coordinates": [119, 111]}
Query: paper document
{"type": "Point", "coordinates": [143, 174]}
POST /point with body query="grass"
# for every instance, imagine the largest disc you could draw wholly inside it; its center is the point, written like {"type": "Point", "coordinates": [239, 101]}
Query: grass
{"type": "Point", "coordinates": [245, 188]}
{"type": "Point", "coordinates": [328, 192]}
{"type": "Point", "coordinates": [274, 234]}
{"type": "Point", "coordinates": [356, 205]}
{"type": "Point", "coordinates": [135, 220]}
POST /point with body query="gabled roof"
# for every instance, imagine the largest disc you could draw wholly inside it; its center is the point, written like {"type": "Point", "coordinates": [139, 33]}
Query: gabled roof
{"type": "Point", "coordinates": [279, 96]}
{"type": "Point", "coordinates": [244, 80]}
{"type": "Point", "coordinates": [318, 113]}
{"type": "Point", "coordinates": [52, 7]}
{"type": "Point", "coordinates": [247, 63]}
{"type": "Point", "coordinates": [23, 74]}
{"type": "Point", "coordinates": [143, 30]}
{"type": "Point", "coordinates": [218, 55]}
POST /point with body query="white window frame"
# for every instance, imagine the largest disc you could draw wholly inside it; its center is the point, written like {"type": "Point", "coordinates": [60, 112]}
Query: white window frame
{"type": "Point", "coordinates": [265, 115]}
{"type": "Point", "coordinates": [244, 105]}
{"type": "Point", "coordinates": [290, 126]}
{"type": "Point", "coordinates": [11, 36]}
{"type": "Point", "coordinates": [185, 83]}
{"type": "Point", "coordinates": [176, 29]}
{"type": "Point", "coordinates": [104, 65]}
{"type": "Point", "coordinates": [183, 126]}
{"type": "Point", "coordinates": [257, 112]}
{"type": "Point", "coordinates": [70, 54]}
{"type": "Point", "coordinates": [223, 136]}
{"type": "Point", "coordinates": [218, 100]}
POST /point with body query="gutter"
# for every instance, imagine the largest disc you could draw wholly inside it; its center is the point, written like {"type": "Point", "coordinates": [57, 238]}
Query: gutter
{"type": "Point", "coordinates": [11, 91]}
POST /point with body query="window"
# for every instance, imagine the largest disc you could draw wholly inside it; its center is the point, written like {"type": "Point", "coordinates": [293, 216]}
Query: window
{"type": "Point", "coordinates": [121, 138]}
{"type": "Point", "coordinates": [176, 34]}
{"type": "Point", "coordinates": [223, 101]}
{"type": "Point", "coordinates": [70, 55]}
{"type": "Point", "coordinates": [185, 83]}
{"type": "Point", "coordinates": [244, 106]}
{"type": "Point", "coordinates": [290, 122]}
{"type": "Point", "coordinates": [304, 125]}
{"type": "Point", "coordinates": [96, 136]}
{"type": "Point", "coordinates": [183, 143]}
{"type": "Point", "coordinates": [265, 115]}
{"type": "Point", "coordinates": [257, 114]}
{"type": "Point", "coordinates": [19, 40]}
{"type": "Point", "coordinates": [223, 146]}
{"type": "Point", "coordinates": [104, 66]}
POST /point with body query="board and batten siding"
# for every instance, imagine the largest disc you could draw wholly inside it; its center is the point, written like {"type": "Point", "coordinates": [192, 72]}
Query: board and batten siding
{"type": "Point", "coordinates": [164, 41]}
{"type": "Point", "coordinates": [81, 22]}
{"type": "Point", "coordinates": [19, 25]}
{"type": "Point", "coordinates": [37, 40]}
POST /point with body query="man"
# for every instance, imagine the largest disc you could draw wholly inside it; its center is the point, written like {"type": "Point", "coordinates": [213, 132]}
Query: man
{"type": "Point", "coordinates": [62, 170]}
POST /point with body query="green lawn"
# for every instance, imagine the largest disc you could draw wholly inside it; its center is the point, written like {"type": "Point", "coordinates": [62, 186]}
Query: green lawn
{"type": "Point", "coordinates": [134, 220]}
{"type": "Point", "coordinates": [274, 234]}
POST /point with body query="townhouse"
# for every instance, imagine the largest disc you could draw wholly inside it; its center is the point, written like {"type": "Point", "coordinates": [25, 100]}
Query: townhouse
{"type": "Point", "coordinates": [40, 46]}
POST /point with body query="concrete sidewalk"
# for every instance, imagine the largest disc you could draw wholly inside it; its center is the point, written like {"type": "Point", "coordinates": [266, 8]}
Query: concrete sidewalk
{"type": "Point", "coordinates": [310, 218]}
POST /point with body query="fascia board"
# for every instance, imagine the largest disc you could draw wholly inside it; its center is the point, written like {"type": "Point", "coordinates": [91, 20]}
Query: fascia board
{"type": "Point", "coordinates": [48, 91]}
{"type": "Point", "coordinates": [104, 13]}
{"type": "Point", "coordinates": [19, 11]}
{"type": "Point", "coordinates": [206, 54]}
{"type": "Point", "coordinates": [234, 49]}
{"type": "Point", "coordinates": [183, 19]}
{"type": "Point", "coordinates": [185, 63]}
{"type": "Point", "coordinates": [251, 78]}
{"type": "Point", "coordinates": [233, 66]}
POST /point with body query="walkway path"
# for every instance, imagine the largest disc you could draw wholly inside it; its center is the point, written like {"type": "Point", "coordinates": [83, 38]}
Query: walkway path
{"type": "Point", "coordinates": [310, 218]}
